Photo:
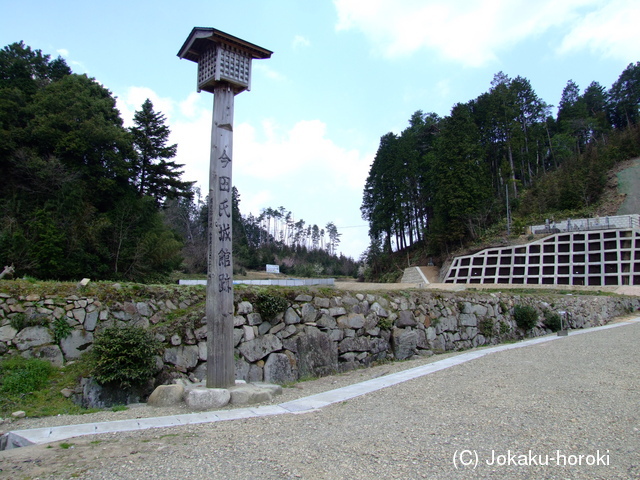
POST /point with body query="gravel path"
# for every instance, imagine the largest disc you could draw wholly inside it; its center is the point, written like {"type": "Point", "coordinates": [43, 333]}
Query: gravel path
{"type": "Point", "coordinates": [546, 403]}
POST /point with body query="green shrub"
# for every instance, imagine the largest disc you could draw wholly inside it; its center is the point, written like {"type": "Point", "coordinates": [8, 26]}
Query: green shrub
{"type": "Point", "coordinates": [270, 305]}
{"type": "Point", "coordinates": [385, 323]}
{"type": "Point", "coordinates": [485, 327]}
{"type": "Point", "coordinates": [124, 356]}
{"type": "Point", "coordinates": [22, 320]}
{"type": "Point", "coordinates": [526, 316]}
{"type": "Point", "coordinates": [20, 375]}
{"type": "Point", "coordinates": [552, 320]}
{"type": "Point", "coordinates": [504, 328]}
{"type": "Point", "coordinates": [61, 329]}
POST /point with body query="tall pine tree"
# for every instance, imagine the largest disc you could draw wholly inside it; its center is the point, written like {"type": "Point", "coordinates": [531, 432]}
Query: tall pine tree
{"type": "Point", "coordinates": [156, 175]}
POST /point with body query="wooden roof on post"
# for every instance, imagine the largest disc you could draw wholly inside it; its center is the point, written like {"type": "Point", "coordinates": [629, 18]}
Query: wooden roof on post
{"type": "Point", "coordinates": [200, 37]}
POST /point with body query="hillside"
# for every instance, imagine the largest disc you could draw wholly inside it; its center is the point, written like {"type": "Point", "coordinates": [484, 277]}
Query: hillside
{"type": "Point", "coordinates": [499, 163]}
{"type": "Point", "coordinates": [620, 196]}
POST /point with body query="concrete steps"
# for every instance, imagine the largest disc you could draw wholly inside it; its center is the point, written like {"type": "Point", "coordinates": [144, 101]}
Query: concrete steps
{"type": "Point", "coordinates": [414, 275]}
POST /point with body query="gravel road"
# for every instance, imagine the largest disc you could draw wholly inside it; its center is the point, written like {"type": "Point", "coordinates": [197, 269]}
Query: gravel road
{"type": "Point", "coordinates": [571, 403]}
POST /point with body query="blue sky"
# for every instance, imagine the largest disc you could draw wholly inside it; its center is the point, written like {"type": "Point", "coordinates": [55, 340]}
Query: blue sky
{"type": "Point", "coordinates": [343, 73]}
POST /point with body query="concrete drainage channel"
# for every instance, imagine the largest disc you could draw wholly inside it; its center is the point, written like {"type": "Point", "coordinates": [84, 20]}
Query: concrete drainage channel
{"type": "Point", "coordinates": [36, 436]}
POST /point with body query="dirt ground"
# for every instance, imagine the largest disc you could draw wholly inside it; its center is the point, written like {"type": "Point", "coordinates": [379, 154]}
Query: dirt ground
{"type": "Point", "coordinates": [629, 185]}
{"type": "Point", "coordinates": [620, 196]}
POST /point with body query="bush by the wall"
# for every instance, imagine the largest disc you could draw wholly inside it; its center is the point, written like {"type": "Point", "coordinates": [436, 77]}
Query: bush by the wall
{"type": "Point", "coordinates": [61, 329]}
{"type": "Point", "coordinates": [124, 356]}
{"type": "Point", "coordinates": [552, 320]}
{"type": "Point", "coordinates": [270, 305]}
{"type": "Point", "coordinates": [526, 316]}
{"type": "Point", "coordinates": [485, 327]}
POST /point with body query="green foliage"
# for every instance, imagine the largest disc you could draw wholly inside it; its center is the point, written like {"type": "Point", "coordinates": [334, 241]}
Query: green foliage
{"type": "Point", "coordinates": [83, 193]}
{"type": "Point", "coordinates": [19, 375]}
{"type": "Point", "coordinates": [485, 327]}
{"type": "Point", "coordinates": [452, 181]}
{"type": "Point", "coordinates": [552, 320]}
{"type": "Point", "coordinates": [385, 323]}
{"type": "Point", "coordinates": [18, 321]}
{"type": "Point", "coordinates": [504, 328]}
{"type": "Point", "coordinates": [526, 316]}
{"type": "Point", "coordinates": [154, 173]}
{"type": "Point", "coordinates": [124, 355]}
{"type": "Point", "coordinates": [22, 320]}
{"type": "Point", "coordinates": [270, 305]}
{"type": "Point", "coordinates": [47, 400]}
{"type": "Point", "coordinates": [72, 200]}
{"type": "Point", "coordinates": [313, 270]}
{"type": "Point", "coordinates": [389, 277]}
{"type": "Point", "coordinates": [61, 329]}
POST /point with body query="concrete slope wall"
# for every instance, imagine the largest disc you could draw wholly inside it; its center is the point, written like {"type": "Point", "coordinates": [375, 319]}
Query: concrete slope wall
{"type": "Point", "coordinates": [593, 258]}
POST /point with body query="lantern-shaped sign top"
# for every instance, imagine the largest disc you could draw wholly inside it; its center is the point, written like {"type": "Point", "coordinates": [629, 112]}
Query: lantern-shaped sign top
{"type": "Point", "coordinates": [221, 58]}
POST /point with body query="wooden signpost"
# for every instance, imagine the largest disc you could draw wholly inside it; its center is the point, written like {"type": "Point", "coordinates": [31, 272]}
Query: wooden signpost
{"type": "Point", "coordinates": [224, 69]}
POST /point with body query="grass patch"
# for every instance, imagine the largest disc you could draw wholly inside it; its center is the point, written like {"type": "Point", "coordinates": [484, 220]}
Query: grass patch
{"type": "Point", "coordinates": [39, 395]}
{"type": "Point", "coordinates": [20, 376]}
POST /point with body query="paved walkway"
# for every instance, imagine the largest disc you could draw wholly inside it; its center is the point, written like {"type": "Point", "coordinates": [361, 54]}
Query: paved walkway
{"type": "Point", "coordinates": [552, 407]}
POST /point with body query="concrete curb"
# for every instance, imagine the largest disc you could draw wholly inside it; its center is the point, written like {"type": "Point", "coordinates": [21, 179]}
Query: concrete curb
{"type": "Point", "coordinates": [37, 436]}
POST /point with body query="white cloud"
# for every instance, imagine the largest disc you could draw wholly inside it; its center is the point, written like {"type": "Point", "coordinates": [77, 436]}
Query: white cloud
{"type": "Point", "coordinates": [305, 171]}
{"type": "Point", "coordinates": [443, 87]}
{"type": "Point", "coordinates": [303, 151]}
{"type": "Point", "coordinates": [75, 65]}
{"type": "Point", "coordinates": [193, 135]}
{"type": "Point", "coordinates": [133, 99]}
{"type": "Point", "coordinates": [267, 71]}
{"type": "Point", "coordinates": [610, 30]}
{"type": "Point", "coordinates": [465, 31]}
{"type": "Point", "coordinates": [300, 41]}
{"type": "Point", "coordinates": [192, 106]}
{"type": "Point", "coordinates": [298, 167]}
{"type": "Point", "coordinates": [264, 152]}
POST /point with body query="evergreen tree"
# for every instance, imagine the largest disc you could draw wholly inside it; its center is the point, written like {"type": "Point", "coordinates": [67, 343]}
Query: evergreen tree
{"type": "Point", "coordinates": [596, 103]}
{"type": "Point", "coordinates": [379, 192]}
{"type": "Point", "coordinates": [624, 98]}
{"type": "Point", "coordinates": [155, 174]}
{"type": "Point", "coordinates": [462, 184]}
{"type": "Point", "coordinates": [334, 237]}
{"type": "Point", "coordinates": [68, 205]}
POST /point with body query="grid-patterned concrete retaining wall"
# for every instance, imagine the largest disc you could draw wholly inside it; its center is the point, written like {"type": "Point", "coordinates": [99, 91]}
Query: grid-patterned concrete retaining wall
{"type": "Point", "coordinates": [596, 258]}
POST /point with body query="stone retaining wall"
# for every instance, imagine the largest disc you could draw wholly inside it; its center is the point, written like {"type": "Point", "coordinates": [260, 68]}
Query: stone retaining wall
{"type": "Point", "coordinates": [317, 334]}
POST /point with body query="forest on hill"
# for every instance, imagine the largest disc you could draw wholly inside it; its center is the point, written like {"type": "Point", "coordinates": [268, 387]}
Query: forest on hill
{"type": "Point", "coordinates": [494, 165]}
{"type": "Point", "coordinates": [81, 195]}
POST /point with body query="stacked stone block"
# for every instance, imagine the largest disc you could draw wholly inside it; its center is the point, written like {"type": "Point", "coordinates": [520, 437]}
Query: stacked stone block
{"type": "Point", "coordinates": [317, 334]}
